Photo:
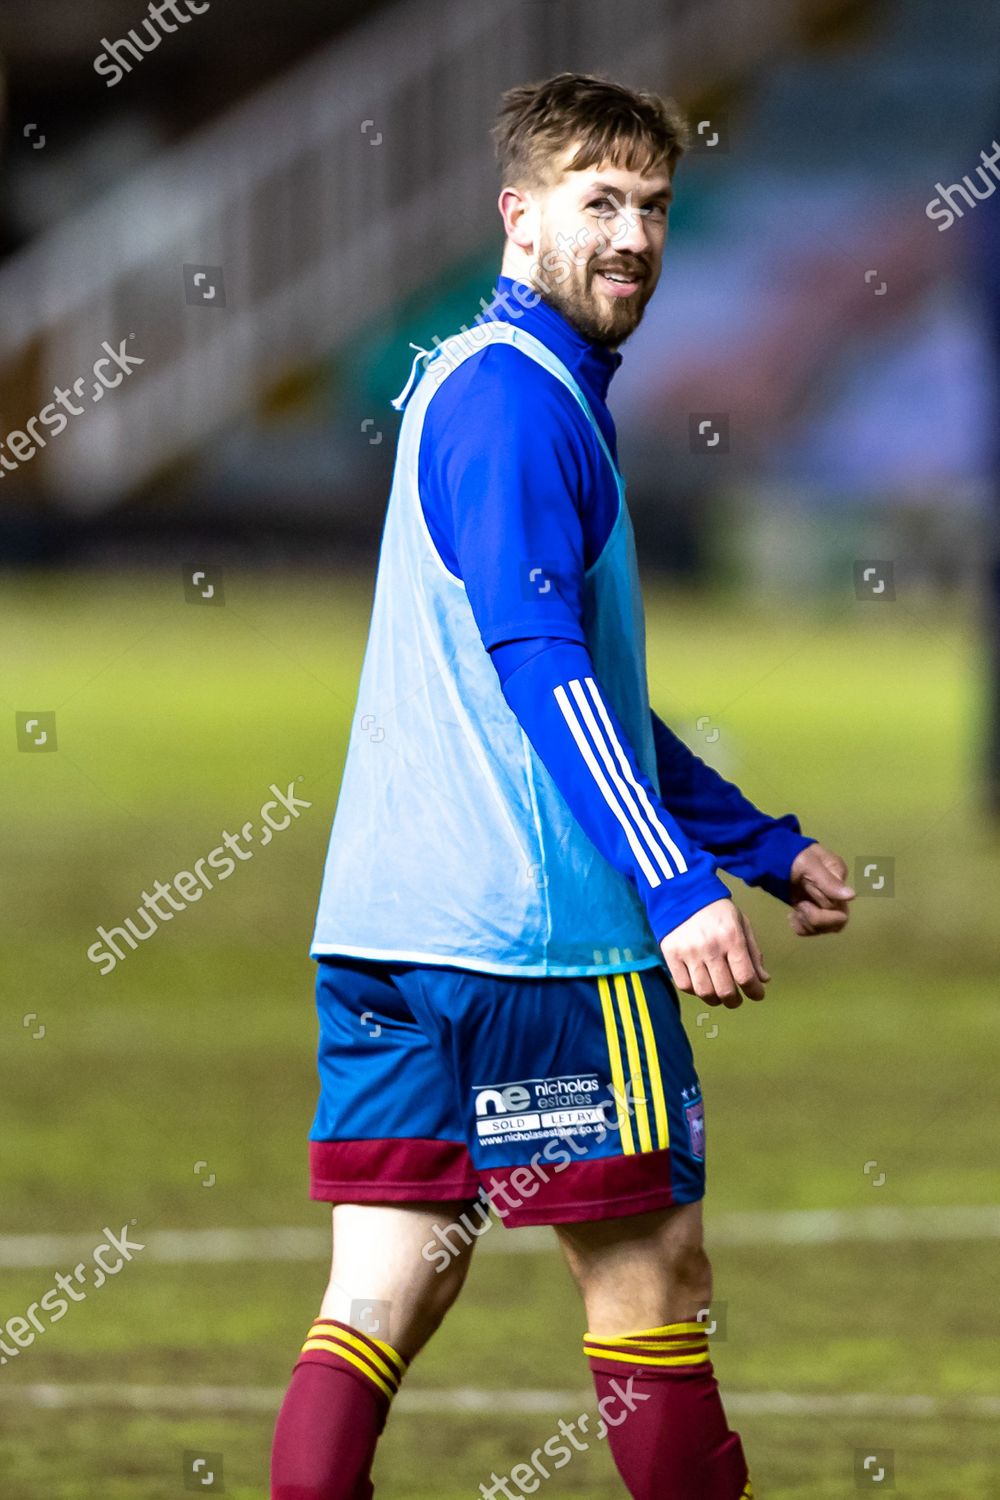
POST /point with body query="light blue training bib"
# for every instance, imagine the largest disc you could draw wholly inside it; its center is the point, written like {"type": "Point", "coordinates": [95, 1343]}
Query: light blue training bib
{"type": "Point", "coordinates": [451, 843]}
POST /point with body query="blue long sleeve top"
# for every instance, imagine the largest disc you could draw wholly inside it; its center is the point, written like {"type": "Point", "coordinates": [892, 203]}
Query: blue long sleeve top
{"type": "Point", "coordinates": [519, 500]}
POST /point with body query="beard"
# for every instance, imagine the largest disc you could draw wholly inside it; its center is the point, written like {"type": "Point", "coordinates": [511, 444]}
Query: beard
{"type": "Point", "coordinates": [596, 315]}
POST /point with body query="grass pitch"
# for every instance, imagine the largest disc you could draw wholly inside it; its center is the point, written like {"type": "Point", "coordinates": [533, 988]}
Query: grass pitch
{"type": "Point", "coordinates": [194, 1058]}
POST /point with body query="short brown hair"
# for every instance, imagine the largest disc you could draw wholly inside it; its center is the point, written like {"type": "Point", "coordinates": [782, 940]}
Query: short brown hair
{"type": "Point", "coordinates": [538, 121]}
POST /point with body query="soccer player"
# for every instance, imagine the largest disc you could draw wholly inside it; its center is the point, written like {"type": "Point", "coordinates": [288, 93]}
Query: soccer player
{"type": "Point", "coordinates": [523, 869]}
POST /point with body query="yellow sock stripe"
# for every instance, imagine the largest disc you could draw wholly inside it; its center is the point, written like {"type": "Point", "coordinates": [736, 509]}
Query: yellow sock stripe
{"type": "Point", "coordinates": [682, 1332]}
{"type": "Point", "coordinates": [696, 1332]}
{"type": "Point", "coordinates": [390, 1353]}
{"type": "Point", "coordinates": [648, 1333]}
{"type": "Point", "coordinates": [325, 1325]}
{"type": "Point", "coordinates": [343, 1336]}
{"type": "Point", "coordinates": [652, 1062]}
{"type": "Point", "coordinates": [617, 1075]}
{"type": "Point", "coordinates": [682, 1346]}
{"type": "Point", "coordinates": [748, 1492]}
{"type": "Point", "coordinates": [355, 1359]}
{"type": "Point", "coordinates": [634, 1064]}
{"type": "Point", "coordinates": [341, 1339]}
{"type": "Point", "coordinates": [648, 1359]}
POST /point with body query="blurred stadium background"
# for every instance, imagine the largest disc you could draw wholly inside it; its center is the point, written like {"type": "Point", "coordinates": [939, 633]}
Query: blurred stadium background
{"type": "Point", "coordinates": [324, 168]}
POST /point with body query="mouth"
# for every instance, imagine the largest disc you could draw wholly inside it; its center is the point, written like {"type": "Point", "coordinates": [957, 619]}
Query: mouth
{"type": "Point", "coordinates": [618, 283]}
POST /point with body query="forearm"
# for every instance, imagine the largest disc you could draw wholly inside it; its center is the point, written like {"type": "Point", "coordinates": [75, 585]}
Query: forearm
{"type": "Point", "coordinates": [716, 816]}
{"type": "Point", "coordinates": [551, 688]}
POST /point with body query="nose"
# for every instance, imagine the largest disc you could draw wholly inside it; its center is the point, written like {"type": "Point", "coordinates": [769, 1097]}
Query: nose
{"type": "Point", "coordinates": [628, 231]}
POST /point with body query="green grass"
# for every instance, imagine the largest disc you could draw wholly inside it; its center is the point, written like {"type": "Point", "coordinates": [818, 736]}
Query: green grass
{"type": "Point", "coordinates": [173, 721]}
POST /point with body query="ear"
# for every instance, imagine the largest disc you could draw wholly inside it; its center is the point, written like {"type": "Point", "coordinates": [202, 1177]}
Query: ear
{"type": "Point", "coordinates": [517, 212]}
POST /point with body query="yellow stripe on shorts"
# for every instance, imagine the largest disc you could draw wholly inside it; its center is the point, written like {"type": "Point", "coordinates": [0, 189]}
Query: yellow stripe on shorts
{"type": "Point", "coordinates": [652, 1062]}
{"type": "Point", "coordinates": [634, 1063]}
{"type": "Point", "coordinates": [615, 1056]}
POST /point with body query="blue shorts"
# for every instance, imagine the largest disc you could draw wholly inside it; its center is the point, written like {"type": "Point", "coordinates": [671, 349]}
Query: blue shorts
{"type": "Point", "coordinates": [565, 1099]}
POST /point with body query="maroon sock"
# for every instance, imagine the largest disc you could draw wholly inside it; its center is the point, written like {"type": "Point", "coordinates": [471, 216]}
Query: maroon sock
{"type": "Point", "coordinates": [333, 1412]}
{"type": "Point", "coordinates": [660, 1403]}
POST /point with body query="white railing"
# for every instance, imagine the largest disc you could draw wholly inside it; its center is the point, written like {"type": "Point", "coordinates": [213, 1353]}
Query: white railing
{"type": "Point", "coordinates": [346, 185]}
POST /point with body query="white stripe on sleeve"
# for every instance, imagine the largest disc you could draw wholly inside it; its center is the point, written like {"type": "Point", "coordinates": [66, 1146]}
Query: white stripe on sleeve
{"type": "Point", "coordinates": [640, 789]}
{"type": "Point", "coordinates": [653, 843]}
{"type": "Point", "coordinates": [576, 729]}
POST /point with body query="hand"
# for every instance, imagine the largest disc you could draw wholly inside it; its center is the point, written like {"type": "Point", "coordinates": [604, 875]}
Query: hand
{"type": "Point", "coordinates": [714, 954]}
{"type": "Point", "coordinates": [819, 892]}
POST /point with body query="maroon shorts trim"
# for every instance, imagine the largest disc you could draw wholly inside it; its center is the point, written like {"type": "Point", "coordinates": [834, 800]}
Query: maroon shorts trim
{"type": "Point", "coordinates": [606, 1188]}
{"type": "Point", "coordinates": [429, 1171]}
{"type": "Point", "coordinates": [390, 1171]}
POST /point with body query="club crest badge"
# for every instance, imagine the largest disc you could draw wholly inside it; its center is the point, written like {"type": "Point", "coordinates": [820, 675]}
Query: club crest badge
{"type": "Point", "coordinates": [694, 1113]}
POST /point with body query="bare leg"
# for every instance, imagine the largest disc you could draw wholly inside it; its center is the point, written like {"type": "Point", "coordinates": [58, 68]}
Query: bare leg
{"type": "Point", "coordinates": [356, 1353]}
{"type": "Point", "coordinates": [377, 1258]}
{"type": "Point", "coordinates": [641, 1271]}
{"type": "Point", "coordinates": [645, 1279]}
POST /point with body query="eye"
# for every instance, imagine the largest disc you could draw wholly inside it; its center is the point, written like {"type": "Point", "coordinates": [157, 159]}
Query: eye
{"type": "Point", "coordinates": [603, 207]}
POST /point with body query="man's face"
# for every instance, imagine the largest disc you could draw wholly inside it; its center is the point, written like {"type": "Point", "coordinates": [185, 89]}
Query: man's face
{"type": "Point", "coordinates": [600, 239]}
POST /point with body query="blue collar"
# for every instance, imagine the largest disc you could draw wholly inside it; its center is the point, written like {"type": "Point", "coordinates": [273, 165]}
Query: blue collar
{"type": "Point", "coordinates": [592, 365]}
